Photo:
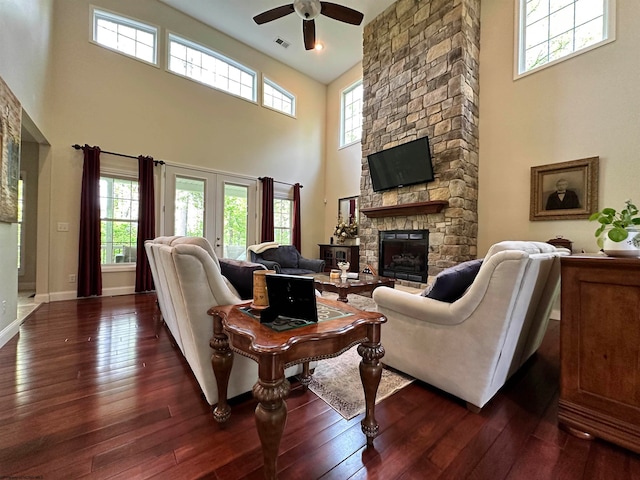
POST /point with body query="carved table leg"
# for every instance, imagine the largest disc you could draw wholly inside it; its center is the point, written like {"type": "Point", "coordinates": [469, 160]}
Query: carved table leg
{"type": "Point", "coordinates": [342, 295]}
{"type": "Point", "coordinates": [221, 361]}
{"type": "Point", "coordinates": [370, 374]}
{"type": "Point", "coordinates": [271, 416]}
{"type": "Point", "coordinates": [305, 378]}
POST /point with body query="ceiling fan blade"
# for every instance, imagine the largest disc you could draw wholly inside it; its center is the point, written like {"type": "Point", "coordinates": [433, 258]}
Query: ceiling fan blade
{"type": "Point", "coordinates": [273, 14]}
{"type": "Point", "coordinates": [341, 13]}
{"type": "Point", "coordinates": [309, 34]}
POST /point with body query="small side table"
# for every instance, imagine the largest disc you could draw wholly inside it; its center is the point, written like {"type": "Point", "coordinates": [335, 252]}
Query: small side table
{"type": "Point", "coordinates": [234, 331]}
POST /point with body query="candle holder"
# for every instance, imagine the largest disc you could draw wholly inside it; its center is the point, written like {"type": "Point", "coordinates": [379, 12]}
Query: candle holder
{"type": "Point", "coordinates": [344, 268]}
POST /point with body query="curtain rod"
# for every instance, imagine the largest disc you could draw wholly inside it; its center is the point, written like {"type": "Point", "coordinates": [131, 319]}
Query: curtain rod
{"type": "Point", "coordinates": [155, 162]}
{"type": "Point", "coordinates": [277, 181]}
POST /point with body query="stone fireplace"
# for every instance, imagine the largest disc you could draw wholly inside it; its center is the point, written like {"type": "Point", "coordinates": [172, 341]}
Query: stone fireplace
{"type": "Point", "coordinates": [420, 77]}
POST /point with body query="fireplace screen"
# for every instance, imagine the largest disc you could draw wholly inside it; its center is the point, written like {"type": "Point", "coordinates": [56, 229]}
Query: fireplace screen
{"type": "Point", "coordinates": [403, 254]}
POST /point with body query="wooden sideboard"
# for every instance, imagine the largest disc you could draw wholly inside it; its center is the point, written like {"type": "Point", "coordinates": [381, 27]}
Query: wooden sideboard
{"type": "Point", "coordinates": [332, 254]}
{"type": "Point", "coordinates": [600, 349]}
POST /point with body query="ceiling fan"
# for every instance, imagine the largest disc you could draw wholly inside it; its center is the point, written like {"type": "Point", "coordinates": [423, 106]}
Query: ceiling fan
{"type": "Point", "coordinates": [308, 10]}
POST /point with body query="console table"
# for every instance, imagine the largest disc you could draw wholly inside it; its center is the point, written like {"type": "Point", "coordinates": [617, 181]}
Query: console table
{"type": "Point", "coordinates": [600, 348]}
{"type": "Point", "coordinates": [233, 331]}
{"type": "Point", "coordinates": [332, 254]}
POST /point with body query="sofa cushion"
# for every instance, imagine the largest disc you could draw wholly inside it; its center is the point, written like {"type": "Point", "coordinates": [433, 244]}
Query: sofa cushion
{"type": "Point", "coordinates": [450, 284]}
{"type": "Point", "coordinates": [240, 274]}
{"type": "Point", "coordinates": [285, 255]}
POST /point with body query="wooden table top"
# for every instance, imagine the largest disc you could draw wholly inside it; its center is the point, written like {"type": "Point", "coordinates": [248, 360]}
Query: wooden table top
{"type": "Point", "coordinates": [247, 334]}
{"type": "Point", "coordinates": [362, 280]}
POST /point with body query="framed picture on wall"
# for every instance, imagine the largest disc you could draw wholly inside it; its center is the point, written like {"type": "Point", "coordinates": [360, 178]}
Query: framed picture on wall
{"type": "Point", "coordinates": [564, 191]}
{"type": "Point", "coordinates": [10, 125]}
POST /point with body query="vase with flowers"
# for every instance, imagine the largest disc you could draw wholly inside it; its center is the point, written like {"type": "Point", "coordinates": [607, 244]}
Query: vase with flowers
{"type": "Point", "coordinates": [345, 230]}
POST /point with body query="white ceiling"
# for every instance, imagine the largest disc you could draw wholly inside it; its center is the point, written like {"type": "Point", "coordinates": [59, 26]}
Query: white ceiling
{"type": "Point", "coordinates": [342, 42]}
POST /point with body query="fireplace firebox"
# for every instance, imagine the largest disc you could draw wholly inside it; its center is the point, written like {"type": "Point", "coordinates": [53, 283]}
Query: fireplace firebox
{"type": "Point", "coordinates": [403, 254]}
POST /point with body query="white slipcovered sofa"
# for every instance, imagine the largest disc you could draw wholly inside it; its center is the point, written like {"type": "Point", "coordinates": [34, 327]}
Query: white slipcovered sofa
{"type": "Point", "coordinates": [189, 281]}
{"type": "Point", "coordinates": [469, 348]}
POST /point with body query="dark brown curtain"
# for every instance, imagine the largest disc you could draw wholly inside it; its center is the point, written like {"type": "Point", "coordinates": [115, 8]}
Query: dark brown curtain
{"type": "Point", "coordinates": [89, 271]}
{"type": "Point", "coordinates": [297, 234]}
{"type": "Point", "coordinates": [146, 222]}
{"type": "Point", "coordinates": [352, 210]}
{"type": "Point", "coordinates": [267, 209]}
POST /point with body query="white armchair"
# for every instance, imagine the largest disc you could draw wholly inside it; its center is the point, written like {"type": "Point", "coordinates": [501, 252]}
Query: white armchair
{"type": "Point", "coordinates": [189, 282]}
{"type": "Point", "coordinates": [469, 348]}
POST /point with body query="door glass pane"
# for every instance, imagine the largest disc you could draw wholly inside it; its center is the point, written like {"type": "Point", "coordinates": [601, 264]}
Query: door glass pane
{"type": "Point", "coordinates": [189, 207]}
{"type": "Point", "coordinates": [236, 204]}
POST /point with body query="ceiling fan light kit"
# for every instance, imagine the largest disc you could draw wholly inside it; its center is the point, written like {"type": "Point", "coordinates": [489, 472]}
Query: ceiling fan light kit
{"type": "Point", "coordinates": [308, 10]}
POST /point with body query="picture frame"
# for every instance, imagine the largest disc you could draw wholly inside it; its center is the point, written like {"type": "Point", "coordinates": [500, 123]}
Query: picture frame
{"type": "Point", "coordinates": [10, 126]}
{"type": "Point", "coordinates": [564, 191]}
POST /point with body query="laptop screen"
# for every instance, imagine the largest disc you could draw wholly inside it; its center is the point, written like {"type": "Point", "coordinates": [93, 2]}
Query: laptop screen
{"type": "Point", "coordinates": [290, 297]}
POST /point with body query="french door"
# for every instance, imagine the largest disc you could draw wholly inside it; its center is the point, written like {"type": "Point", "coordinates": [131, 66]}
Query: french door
{"type": "Point", "coordinates": [219, 207]}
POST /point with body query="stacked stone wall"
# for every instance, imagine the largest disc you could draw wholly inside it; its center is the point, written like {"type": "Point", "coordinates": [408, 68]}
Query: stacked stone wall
{"type": "Point", "coordinates": [420, 79]}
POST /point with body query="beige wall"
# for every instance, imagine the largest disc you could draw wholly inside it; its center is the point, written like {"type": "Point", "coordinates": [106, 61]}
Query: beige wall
{"type": "Point", "coordinates": [25, 28]}
{"type": "Point", "coordinates": [123, 105]}
{"type": "Point", "coordinates": [586, 106]}
{"type": "Point", "coordinates": [343, 167]}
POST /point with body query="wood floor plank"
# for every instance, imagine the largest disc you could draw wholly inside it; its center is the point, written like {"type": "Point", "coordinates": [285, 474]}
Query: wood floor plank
{"type": "Point", "coordinates": [96, 388]}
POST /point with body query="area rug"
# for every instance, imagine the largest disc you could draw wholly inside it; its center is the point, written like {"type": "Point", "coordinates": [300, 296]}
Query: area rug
{"type": "Point", "coordinates": [337, 380]}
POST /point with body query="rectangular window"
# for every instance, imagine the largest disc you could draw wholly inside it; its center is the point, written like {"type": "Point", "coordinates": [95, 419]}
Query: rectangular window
{"type": "Point", "coordinates": [118, 219]}
{"type": "Point", "coordinates": [125, 35]}
{"type": "Point", "coordinates": [211, 68]}
{"type": "Point", "coordinates": [351, 118]}
{"type": "Point", "coordinates": [276, 97]}
{"type": "Point", "coordinates": [282, 220]}
{"type": "Point", "coordinates": [550, 31]}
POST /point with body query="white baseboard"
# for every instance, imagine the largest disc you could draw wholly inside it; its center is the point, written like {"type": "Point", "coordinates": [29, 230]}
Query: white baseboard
{"type": "Point", "coordinates": [555, 314]}
{"type": "Point", "coordinates": [106, 292]}
{"type": "Point", "coordinates": [9, 332]}
{"type": "Point", "coordinates": [42, 298]}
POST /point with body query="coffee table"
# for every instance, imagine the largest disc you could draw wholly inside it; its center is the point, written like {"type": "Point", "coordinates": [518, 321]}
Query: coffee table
{"type": "Point", "coordinates": [235, 331]}
{"type": "Point", "coordinates": [363, 284]}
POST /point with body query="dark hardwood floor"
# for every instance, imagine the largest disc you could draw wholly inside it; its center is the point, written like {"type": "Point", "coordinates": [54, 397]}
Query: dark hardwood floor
{"type": "Point", "coordinates": [95, 389]}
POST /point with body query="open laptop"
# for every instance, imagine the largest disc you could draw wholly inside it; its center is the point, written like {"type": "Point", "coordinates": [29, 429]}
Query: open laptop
{"type": "Point", "coordinates": [292, 298]}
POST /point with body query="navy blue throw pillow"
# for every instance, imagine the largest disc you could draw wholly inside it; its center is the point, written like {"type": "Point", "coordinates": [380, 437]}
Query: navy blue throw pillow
{"type": "Point", "coordinates": [450, 284]}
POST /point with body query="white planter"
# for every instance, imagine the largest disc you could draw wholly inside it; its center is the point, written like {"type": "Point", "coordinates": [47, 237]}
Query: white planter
{"type": "Point", "coordinates": [627, 248]}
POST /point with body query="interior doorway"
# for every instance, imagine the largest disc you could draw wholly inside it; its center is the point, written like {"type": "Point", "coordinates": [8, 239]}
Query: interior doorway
{"type": "Point", "coordinates": [33, 223]}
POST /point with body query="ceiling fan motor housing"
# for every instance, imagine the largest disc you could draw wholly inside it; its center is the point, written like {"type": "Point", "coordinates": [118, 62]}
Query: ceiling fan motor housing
{"type": "Point", "coordinates": [307, 9]}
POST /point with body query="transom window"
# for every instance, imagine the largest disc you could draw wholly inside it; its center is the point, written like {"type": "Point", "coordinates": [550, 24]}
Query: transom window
{"type": "Point", "coordinates": [118, 220]}
{"type": "Point", "coordinates": [282, 220]}
{"type": "Point", "coordinates": [125, 35]}
{"type": "Point", "coordinates": [351, 118]}
{"type": "Point", "coordinates": [197, 62]}
{"type": "Point", "coordinates": [551, 30]}
{"type": "Point", "coordinates": [276, 97]}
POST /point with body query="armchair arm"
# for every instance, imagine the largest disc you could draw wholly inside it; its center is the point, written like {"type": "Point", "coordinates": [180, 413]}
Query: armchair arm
{"type": "Point", "coordinates": [317, 265]}
{"type": "Point", "coordinates": [270, 265]}
{"type": "Point", "coordinates": [416, 306]}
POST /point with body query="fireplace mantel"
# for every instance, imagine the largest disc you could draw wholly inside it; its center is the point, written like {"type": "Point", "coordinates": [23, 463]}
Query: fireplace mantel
{"type": "Point", "coordinates": [420, 208]}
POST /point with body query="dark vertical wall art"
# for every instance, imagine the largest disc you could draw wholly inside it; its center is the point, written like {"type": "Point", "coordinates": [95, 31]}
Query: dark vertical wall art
{"type": "Point", "coordinates": [10, 125]}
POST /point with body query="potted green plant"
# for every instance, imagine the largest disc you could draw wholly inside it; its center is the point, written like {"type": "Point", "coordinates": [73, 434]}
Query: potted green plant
{"type": "Point", "coordinates": [617, 234]}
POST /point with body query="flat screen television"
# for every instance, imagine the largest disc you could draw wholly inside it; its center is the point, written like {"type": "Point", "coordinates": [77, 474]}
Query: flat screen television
{"type": "Point", "coordinates": [402, 165]}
